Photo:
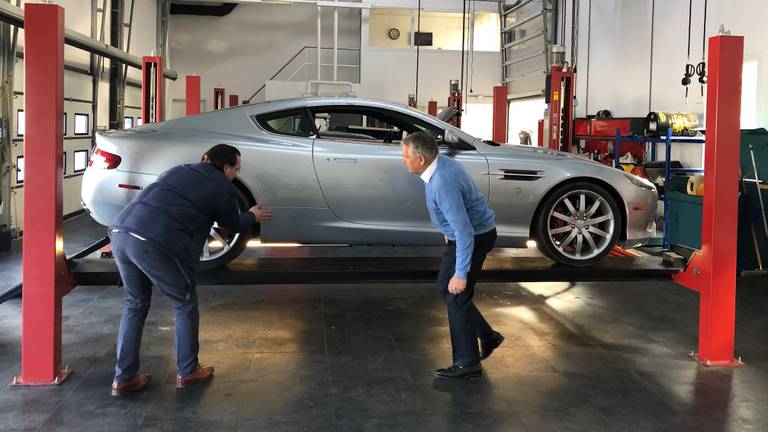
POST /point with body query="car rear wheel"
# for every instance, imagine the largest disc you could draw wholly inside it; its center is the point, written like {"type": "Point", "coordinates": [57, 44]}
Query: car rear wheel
{"type": "Point", "coordinates": [223, 246]}
{"type": "Point", "coordinates": [578, 224]}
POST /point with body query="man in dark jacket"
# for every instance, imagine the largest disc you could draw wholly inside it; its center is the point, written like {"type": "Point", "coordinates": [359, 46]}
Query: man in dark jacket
{"type": "Point", "coordinates": [157, 240]}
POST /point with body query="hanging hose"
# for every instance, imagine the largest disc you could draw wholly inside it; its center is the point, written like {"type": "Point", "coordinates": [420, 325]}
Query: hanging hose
{"type": "Point", "coordinates": [701, 68]}
{"type": "Point", "coordinates": [690, 70]}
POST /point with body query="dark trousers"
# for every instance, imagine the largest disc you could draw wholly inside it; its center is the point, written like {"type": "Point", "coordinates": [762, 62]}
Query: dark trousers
{"type": "Point", "coordinates": [465, 321]}
{"type": "Point", "coordinates": [142, 265]}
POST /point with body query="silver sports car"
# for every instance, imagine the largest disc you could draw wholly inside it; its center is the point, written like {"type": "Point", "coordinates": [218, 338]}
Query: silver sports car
{"type": "Point", "coordinates": [331, 170]}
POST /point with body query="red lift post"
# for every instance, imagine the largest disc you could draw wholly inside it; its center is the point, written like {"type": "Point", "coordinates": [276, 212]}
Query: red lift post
{"type": "Point", "coordinates": [45, 275]}
{"type": "Point", "coordinates": [193, 95]}
{"type": "Point", "coordinates": [234, 100]}
{"type": "Point", "coordinates": [218, 98]}
{"type": "Point", "coordinates": [432, 108]}
{"type": "Point", "coordinates": [500, 114]}
{"type": "Point", "coordinates": [454, 100]}
{"type": "Point", "coordinates": [152, 90]}
{"type": "Point", "coordinates": [560, 108]}
{"type": "Point", "coordinates": [712, 271]}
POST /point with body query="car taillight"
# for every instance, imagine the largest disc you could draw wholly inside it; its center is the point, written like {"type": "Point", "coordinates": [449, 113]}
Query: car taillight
{"type": "Point", "coordinates": [104, 160]}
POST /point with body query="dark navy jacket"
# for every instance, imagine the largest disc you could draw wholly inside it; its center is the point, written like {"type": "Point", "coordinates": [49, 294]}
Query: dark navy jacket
{"type": "Point", "coordinates": [176, 212]}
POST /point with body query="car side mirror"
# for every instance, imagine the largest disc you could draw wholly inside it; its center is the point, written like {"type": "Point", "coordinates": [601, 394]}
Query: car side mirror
{"type": "Point", "coordinates": [451, 138]}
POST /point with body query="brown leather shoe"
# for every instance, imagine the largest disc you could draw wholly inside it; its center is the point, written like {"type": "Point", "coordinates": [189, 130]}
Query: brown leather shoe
{"type": "Point", "coordinates": [200, 375]}
{"type": "Point", "coordinates": [138, 382]}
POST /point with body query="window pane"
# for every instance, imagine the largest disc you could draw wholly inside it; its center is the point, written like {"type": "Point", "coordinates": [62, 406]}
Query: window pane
{"type": "Point", "coordinates": [81, 124]}
{"type": "Point", "coordinates": [294, 123]}
{"type": "Point", "coordinates": [749, 95]}
{"type": "Point", "coordinates": [20, 169]}
{"type": "Point", "coordinates": [360, 126]}
{"type": "Point", "coordinates": [81, 160]}
{"type": "Point", "coordinates": [20, 123]}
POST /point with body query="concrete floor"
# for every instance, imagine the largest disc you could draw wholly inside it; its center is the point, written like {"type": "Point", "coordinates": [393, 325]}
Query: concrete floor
{"type": "Point", "coordinates": [359, 357]}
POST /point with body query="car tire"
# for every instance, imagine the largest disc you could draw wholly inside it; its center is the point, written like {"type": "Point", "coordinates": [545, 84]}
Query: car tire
{"type": "Point", "coordinates": [578, 224]}
{"type": "Point", "coordinates": [220, 257]}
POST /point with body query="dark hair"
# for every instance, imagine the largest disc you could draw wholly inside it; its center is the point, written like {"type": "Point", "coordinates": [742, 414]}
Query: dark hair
{"type": "Point", "coordinates": [422, 143]}
{"type": "Point", "coordinates": [220, 155]}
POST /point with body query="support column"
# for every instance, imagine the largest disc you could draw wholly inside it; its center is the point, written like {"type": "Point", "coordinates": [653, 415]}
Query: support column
{"type": "Point", "coordinates": [500, 114]}
{"type": "Point", "coordinates": [319, 42]}
{"type": "Point", "coordinates": [712, 271]}
{"type": "Point", "coordinates": [152, 81]}
{"type": "Point", "coordinates": [115, 68]}
{"type": "Point", "coordinates": [432, 108]}
{"type": "Point", "coordinates": [218, 98]}
{"type": "Point", "coordinates": [193, 95]}
{"type": "Point", "coordinates": [45, 275]}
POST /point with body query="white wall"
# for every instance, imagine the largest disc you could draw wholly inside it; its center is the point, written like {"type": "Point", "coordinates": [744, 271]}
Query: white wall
{"type": "Point", "coordinates": [615, 70]}
{"type": "Point", "coordinates": [390, 74]}
{"type": "Point", "coordinates": [619, 74]}
{"type": "Point", "coordinates": [242, 50]}
{"type": "Point", "coordinates": [241, 61]}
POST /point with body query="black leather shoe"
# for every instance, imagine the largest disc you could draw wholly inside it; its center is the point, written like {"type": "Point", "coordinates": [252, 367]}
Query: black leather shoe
{"type": "Point", "coordinates": [487, 346]}
{"type": "Point", "coordinates": [458, 372]}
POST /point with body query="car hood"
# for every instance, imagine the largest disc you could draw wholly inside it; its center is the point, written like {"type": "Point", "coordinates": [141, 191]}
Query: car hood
{"type": "Point", "coordinates": [505, 151]}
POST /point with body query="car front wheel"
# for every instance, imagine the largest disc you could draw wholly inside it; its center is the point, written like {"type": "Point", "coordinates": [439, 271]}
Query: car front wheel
{"type": "Point", "coordinates": [578, 224]}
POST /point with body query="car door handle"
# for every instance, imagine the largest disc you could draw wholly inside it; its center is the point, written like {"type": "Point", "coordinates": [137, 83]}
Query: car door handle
{"type": "Point", "coordinates": [345, 160]}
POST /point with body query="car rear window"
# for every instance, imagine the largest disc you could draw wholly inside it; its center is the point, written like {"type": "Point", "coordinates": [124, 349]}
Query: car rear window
{"type": "Point", "coordinates": [293, 123]}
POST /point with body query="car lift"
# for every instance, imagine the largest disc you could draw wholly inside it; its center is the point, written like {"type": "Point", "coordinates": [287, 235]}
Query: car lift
{"type": "Point", "coordinates": [500, 114]}
{"type": "Point", "coordinates": [152, 89]}
{"type": "Point", "coordinates": [558, 128]}
{"type": "Point", "coordinates": [218, 98]}
{"type": "Point", "coordinates": [193, 95]}
{"type": "Point", "coordinates": [47, 276]}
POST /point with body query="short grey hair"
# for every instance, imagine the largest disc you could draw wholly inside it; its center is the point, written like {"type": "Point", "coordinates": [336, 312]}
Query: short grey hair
{"type": "Point", "coordinates": [421, 143]}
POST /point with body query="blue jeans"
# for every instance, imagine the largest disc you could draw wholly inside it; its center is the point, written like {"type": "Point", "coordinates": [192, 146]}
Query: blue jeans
{"type": "Point", "coordinates": [142, 264]}
{"type": "Point", "coordinates": [466, 323]}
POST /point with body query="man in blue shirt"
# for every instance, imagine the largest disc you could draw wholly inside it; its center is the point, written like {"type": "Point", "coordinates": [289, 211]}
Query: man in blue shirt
{"type": "Point", "coordinates": [157, 240]}
{"type": "Point", "coordinates": [459, 210]}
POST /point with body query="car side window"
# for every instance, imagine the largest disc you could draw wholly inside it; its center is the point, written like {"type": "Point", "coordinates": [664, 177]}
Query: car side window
{"type": "Point", "coordinates": [350, 125]}
{"type": "Point", "coordinates": [293, 123]}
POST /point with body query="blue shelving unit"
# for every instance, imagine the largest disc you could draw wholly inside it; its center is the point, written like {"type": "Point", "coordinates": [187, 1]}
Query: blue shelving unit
{"type": "Point", "coordinates": [667, 140]}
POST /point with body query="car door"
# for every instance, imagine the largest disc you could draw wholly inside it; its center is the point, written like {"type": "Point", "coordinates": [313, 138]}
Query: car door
{"type": "Point", "coordinates": [358, 160]}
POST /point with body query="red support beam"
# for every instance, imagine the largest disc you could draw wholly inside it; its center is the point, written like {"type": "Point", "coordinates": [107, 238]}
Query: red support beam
{"type": "Point", "coordinates": [218, 98]}
{"type": "Point", "coordinates": [193, 95]}
{"type": "Point", "coordinates": [560, 109]}
{"type": "Point", "coordinates": [712, 271]}
{"type": "Point", "coordinates": [432, 108]}
{"type": "Point", "coordinates": [234, 100]}
{"type": "Point", "coordinates": [500, 114]}
{"type": "Point", "coordinates": [44, 271]}
{"type": "Point", "coordinates": [152, 83]}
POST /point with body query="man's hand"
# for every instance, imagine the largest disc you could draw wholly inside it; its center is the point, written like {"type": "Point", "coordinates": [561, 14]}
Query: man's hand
{"type": "Point", "coordinates": [262, 212]}
{"type": "Point", "coordinates": [456, 285]}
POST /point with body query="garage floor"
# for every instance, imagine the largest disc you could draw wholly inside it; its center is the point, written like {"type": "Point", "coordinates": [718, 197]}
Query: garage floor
{"type": "Point", "coordinates": [578, 357]}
